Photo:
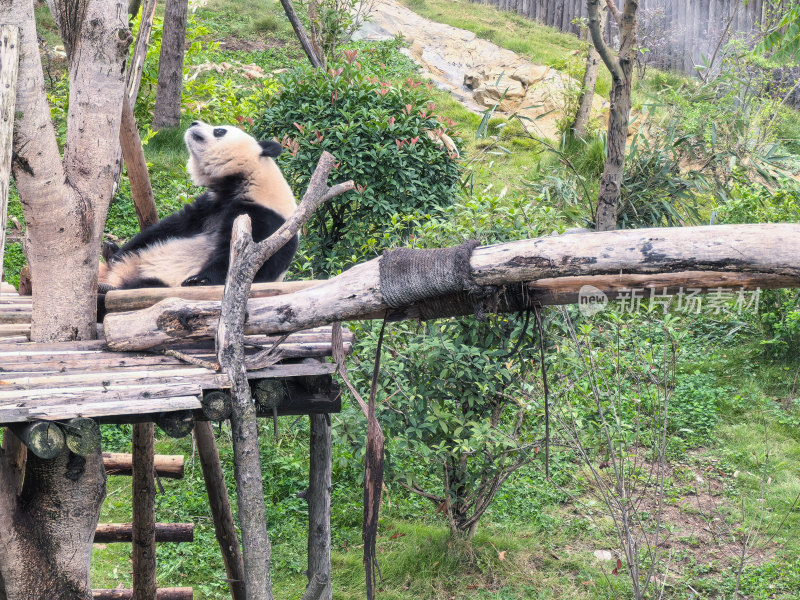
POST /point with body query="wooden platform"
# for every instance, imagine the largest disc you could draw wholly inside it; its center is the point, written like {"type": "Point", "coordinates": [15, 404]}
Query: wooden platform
{"type": "Point", "coordinates": [65, 380]}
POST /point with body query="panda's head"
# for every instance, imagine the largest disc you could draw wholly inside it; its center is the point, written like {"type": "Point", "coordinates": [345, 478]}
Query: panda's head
{"type": "Point", "coordinates": [219, 152]}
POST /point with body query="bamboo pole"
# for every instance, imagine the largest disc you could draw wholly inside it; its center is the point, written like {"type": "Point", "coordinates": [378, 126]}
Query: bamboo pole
{"type": "Point", "coordinates": [768, 249]}
{"type": "Point", "coordinates": [9, 65]}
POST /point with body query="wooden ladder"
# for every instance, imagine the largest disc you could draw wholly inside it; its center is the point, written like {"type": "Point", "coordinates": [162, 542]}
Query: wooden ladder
{"type": "Point", "coordinates": [144, 532]}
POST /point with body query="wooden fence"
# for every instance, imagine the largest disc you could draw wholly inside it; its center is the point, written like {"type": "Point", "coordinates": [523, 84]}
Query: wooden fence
{"type": "Point", "coordinates": [678, 33]}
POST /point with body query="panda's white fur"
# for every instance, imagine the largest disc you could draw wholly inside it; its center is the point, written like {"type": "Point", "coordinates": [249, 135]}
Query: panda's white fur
{"type": "Point", "coordinates": [191, 247]}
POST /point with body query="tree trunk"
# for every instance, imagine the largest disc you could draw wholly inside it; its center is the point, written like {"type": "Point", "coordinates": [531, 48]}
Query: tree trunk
{"type": "Point", "coordinates": [9, 62]}
{"type": "Point", "coordinates": [48, 542]}
{"type": "Point", "coordinates": [611, 181]}
{"type": "Point", "coordinates": [586, 98]}
{"type": "Point", "coordinates": [167, 112]}
{"type": "Point", "coordinates": [46, 530]}
{"type": "Point", "coordinates": [300, 31]}
{"type": "Point", "coordinates": [621, 68]}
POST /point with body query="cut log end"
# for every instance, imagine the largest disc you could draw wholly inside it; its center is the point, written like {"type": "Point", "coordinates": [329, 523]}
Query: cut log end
{"type": "Point", "coordinates": [176, 424]}
{"type": "Point", "coordinates": [44, 439]}
{"type": "Point", "coordinates": [82, 436]}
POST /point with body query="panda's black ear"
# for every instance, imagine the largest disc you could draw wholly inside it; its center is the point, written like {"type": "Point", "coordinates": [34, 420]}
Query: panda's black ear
{"type": "Point", "coordinates": [270, 148]}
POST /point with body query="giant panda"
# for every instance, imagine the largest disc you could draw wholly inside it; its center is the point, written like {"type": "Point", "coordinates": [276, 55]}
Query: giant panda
{"type": "Point", "coordinates": [192, 246]}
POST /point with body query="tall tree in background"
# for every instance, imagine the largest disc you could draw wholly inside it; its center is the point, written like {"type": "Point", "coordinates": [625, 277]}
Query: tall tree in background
{"type": "Point", "coordinates": [621, 68]}
{"type": "Point", "coordinates": [589, 83]}
{"type": "Point", "coordinates": [47, 517]}
{"type": "Point", "coordinates": [167, 112]}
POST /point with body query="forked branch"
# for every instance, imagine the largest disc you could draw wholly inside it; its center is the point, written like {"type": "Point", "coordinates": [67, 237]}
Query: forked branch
{"type": "Point", "coordinates": [603, 50]}
{"type": "Point", "coordinates": [247, 257]}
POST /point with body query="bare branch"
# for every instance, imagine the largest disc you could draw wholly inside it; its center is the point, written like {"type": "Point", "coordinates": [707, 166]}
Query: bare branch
{"type": "Point", "coordinates": [245, 260]}
{"type": "Point", "coordinates": [316, 194]}
{"type": "Point", "coordinates": [599, 43]}
{"type": "Point", "coordinates": [302, 36]}
{"type": "Point", "coordinates": [614, 11]}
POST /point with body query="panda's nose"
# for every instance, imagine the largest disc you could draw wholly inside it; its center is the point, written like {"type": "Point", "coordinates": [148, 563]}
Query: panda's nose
{"type": "Point", "coordinates": [193, 123]}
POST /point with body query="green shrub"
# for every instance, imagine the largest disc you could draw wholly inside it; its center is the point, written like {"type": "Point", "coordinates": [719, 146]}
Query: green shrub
{"type": "Point", "coordinates": [694, 407]}
{"type": "Point", "coordinates": [387, 138]}
{"type": "Point", "coordinates": [778, 310]}
{"type": "Point", "coordinates": [654, 191]}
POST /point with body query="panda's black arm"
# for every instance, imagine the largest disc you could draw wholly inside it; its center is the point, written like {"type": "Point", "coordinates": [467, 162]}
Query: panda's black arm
{"type": "Point", "coordinates": [187, 222]}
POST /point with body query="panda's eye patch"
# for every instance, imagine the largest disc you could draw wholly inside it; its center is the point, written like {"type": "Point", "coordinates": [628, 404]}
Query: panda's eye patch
{"type": "Point", "coordinates": [219, 132]}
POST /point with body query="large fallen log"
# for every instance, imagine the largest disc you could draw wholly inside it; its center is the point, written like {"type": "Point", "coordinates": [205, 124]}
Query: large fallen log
{"type": "Point", "coordinates": [707, 257]}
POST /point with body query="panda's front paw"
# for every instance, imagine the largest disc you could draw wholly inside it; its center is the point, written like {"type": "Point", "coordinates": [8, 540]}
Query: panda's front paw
{"type": "Point", "coordinates": [104, 288]}
{"type": "Point", "coordinates": [199, 279]}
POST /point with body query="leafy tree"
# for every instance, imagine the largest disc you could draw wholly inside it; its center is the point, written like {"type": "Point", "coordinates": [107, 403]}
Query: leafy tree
{"type": "Point", "coordinates": [387, 138]}
{"type": "Point", "coordinates": [783, 39]}
{"type": "Point", "coordinates": [454, 398]}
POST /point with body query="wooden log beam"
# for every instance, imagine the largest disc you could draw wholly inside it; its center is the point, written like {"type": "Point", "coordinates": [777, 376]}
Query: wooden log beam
{"type": "Point", "coordinates": [769, 249]}
{"type": "Point", "coordinates": [224, 526]}
{"type": "Point", "coordinates": [45, 440]}
{"type": "Point", "coordinates": [112, 533]}
{"type": "Point", "coordinates": [124, 300]}
{"type": "Point", "coordinates": [82, 436]}
{"type": "Point", "coordinates": [176, 424]}
{"type": "Point", "coordinates": [185, 593]}
{"type": "Point", "coordinates": [166, 466]}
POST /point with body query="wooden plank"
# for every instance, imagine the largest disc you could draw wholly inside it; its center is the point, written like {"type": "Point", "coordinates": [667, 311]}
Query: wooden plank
{"type": "Point", "coordinates": [12, 399]}
{"type": "Point", "coordinates": [35, 383]}
{"type": "Point", "coordinates": [169, 466]}
{"type": "Point", "coordinates": [52, 347]}
{"type": "Point", "coordinates": [9, 66]}
{"type": "Point", "coordinates": [15, 329]}
{"type": "Point", "coordinates": [113, 533]}
{"type": "Point", "coordinates": [97, 409]}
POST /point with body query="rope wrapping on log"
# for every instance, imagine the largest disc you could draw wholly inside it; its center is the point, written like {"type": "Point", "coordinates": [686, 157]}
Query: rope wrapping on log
{"type": "Point", "coordinates": [409, 276]}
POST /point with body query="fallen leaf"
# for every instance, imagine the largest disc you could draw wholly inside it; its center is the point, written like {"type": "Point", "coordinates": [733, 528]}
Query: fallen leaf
{"type": "Point", "coordinates": [397, 535]}
{"type": "Point", "coordinates": [501, 555]}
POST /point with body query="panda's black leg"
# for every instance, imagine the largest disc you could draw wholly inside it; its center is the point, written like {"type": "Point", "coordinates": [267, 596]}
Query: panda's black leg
{"type": "Point", "coordinates": [198, 279]}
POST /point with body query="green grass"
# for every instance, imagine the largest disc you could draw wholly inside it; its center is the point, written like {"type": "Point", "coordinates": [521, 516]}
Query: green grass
{"type": "Point", "coordinates": [247, 19]}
